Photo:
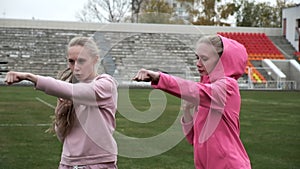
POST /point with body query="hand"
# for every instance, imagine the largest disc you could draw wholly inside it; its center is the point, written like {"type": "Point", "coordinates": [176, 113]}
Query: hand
{"type": "Point", "coordinates": [146, 76]}
{"type": "Point", "coordinates": [188, 110]}
{"type": "Point", "coordinates": [15, 77]}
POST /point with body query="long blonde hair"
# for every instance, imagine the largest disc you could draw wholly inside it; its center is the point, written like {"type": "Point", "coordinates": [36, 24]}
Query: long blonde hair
{"type": "Point", "coordinates": [64, 117]}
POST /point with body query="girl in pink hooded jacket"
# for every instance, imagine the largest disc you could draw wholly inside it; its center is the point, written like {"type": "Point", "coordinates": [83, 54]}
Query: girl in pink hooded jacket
{"type": "Point", "coordinates": [214, 127]}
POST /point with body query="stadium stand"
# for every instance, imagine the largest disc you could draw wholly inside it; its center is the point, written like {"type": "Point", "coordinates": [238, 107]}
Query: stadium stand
{"type": "Point", "coordinates": [39, 47]}
{"type": "Point", "coordinates": [258, 47]}
{"type": "Point", "coordinates": [42, 51]}
{"type": "Point", "coordinates": [297, 54]}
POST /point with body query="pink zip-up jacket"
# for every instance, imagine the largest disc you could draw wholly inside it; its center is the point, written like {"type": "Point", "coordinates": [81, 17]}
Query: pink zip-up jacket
{"type": "Point", "coordinates": [215, 129]}
{"type": "Point", "coordinates": [90, 141]}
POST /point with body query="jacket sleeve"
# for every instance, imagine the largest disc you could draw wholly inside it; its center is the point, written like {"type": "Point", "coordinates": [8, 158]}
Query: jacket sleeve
{"type": "Point", "coordinates": [207, 95]}
{"type": "Point", "coordinates": [188, 130]}
{"type": "Point", "coordinates": [93, 93]}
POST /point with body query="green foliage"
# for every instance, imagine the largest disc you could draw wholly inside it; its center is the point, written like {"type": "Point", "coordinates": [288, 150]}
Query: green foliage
{"type": "Point", "coordinates": [248, 13]}
{"type": "Point", "coordinates": [261, 14]}
{"type": "Point", "coordinates": [156, 11]}
{"type": "Point", "coordinates": [210, 12]}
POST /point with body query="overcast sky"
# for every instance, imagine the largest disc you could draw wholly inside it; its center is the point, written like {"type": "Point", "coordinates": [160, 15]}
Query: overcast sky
{"type": "Point", "coordinates": [60, 10]}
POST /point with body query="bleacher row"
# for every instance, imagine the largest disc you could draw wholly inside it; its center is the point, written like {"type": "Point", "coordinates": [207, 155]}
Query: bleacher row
{"type": "Point", "coordinates": [258, 47]}
{"type": "Point", "coordinates": [42, 51]}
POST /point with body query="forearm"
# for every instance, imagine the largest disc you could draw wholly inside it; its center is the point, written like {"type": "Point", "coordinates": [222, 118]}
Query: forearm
{"type": "Point", "coordinates": [31, 77]}
{"type": "Point", "coordinates": [185, 89]}
{"type": "Point", "coordinates": [94, 93]}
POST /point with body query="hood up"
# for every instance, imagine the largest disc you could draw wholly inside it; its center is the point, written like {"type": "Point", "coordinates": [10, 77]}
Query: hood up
{"type": "Point", "coordinates": [232, 62]}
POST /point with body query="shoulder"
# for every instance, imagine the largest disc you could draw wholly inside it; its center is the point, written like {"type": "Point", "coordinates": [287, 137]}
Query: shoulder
{"type": "Point", "coordinates": [226, 83]}
{"type": "Point", "coordinates": [101, 76]}
{"type": "Point", "coordinates": [105, 79]}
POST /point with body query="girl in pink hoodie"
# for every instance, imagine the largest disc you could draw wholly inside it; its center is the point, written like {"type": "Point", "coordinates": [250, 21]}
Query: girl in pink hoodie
{"type": "Point", "coordinates": [85, 115]}
{"type": "Point", "coordinates": [214, 128]}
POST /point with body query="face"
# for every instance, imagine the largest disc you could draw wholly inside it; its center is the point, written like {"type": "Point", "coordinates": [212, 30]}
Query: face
{"type": "Point", "coordinates": [207, 58]}
{"type": "Point", "coordinates": [81, 64]}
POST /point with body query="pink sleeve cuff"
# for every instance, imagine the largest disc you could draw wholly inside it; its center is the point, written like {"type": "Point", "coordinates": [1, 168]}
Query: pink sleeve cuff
{"type": "Point", "coordinates": [186, 126]}
{"type": "Point", "coordinates": [156, 86]}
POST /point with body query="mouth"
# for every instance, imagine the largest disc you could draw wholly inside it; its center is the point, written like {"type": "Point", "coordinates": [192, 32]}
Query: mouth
{"type": "Point", "coordinates": [201, 70]}
{"type": "Point", "coordinates": [77, 75]}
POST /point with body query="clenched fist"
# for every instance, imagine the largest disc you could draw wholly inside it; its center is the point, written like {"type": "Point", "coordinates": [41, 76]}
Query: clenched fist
{"type": "Point", "coordinates": [146, 76]}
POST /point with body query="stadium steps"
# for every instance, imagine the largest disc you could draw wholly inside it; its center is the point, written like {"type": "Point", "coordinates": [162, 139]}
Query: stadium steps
{"type": "Point", "coordinates": [41, 51]}
{"type": "Point", "coordinates": [284, 46]}
{"type": "Point", "coordinates": [151, 51]}
{"type": "Point", "coordinates": [263, 72]}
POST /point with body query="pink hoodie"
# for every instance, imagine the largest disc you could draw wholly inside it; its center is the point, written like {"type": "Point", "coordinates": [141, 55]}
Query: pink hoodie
{"type": "Point", "coordinates": [90, 140]}
{"type": "Point", "coordinates": [215, 129]}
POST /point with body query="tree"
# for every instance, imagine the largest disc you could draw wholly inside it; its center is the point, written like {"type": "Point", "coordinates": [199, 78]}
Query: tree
{"type": "Point", "coordinates": [280, 4]}
{"type": "Point", "coordinates": [135, 10]}
{"type": "Point", "coordinates": [261, 14]}
{"type": "Point", "coordinates": [254, 15]}
{"type": "Point", "coordinates": [209, 12]}
{"type": "Point", "coordinates": [225, 11]}
{"type": "Point", "coordinates": [156, 11]}
{"type": "Point", "coordinates": [104, 11]}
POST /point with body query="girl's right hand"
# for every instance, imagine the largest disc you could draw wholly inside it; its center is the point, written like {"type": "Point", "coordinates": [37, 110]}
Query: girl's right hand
{"type": "Point", "coordinates": [15, 77]}
{"type": "Point", "coordinates": [188, 109]}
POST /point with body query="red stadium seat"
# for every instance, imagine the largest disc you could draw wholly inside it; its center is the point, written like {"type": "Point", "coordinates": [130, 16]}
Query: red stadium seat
{"type": "Point", "coordinates": [258, 47]}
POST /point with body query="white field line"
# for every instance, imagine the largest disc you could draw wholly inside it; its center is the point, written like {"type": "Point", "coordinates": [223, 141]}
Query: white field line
{"type": "Point", "coordinates": [44, 102]}
{"type": "Point", "coordinates": [24, 125]}
{"type": "Point", "coordinates": [31, 125]}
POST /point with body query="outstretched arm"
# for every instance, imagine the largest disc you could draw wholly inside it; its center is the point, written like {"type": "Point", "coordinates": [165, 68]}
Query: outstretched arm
{"type": "Point", "coordinates": [15, 77]}
{"type": "Point", "coordinates": [147, 76]}
{"type": "Point", "coordinates": [178, 87]}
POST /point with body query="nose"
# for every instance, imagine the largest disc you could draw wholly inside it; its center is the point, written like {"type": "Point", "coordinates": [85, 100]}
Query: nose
{"type": "Point", "coordinates": [76, 66]}
{"type": "Point", "coordinates": [199, 63]}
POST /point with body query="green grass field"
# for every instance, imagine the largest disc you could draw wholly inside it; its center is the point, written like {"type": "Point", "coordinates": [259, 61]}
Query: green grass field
{"type": "Point", "coordinates": [270, 123]}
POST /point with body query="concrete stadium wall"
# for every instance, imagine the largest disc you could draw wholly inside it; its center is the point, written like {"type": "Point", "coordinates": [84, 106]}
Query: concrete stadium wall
{"type": "Point", "coordinates": [129, 27]}
{"type": "Point", "coordinates": [40, 46]}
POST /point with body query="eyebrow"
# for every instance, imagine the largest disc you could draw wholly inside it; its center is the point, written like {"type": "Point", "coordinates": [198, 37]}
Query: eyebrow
{"type": "Point", "coordinates": [81, 59]}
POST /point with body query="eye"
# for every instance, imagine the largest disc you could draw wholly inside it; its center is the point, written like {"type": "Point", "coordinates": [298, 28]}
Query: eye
{"type": "Point", "coordinates": [81, 61]}
{"type": "Point", "coordinates": [71, 61]}
{"type": "Point", "coordinates": [204, 58]}
{"type": "Point", "coordinates": [197, 56]}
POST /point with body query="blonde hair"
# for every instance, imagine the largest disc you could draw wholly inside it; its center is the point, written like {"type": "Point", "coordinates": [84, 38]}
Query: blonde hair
{"type": "Point", "coordinates": [63, 120]}
{"type": "Point", "coordinates": [86, 42]}
{"type": "Point", "coordinates": [213, 40]}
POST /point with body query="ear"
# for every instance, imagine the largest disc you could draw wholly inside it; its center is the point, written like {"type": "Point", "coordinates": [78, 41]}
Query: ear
{"type": "Point", "coordinates": [96, 59]}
